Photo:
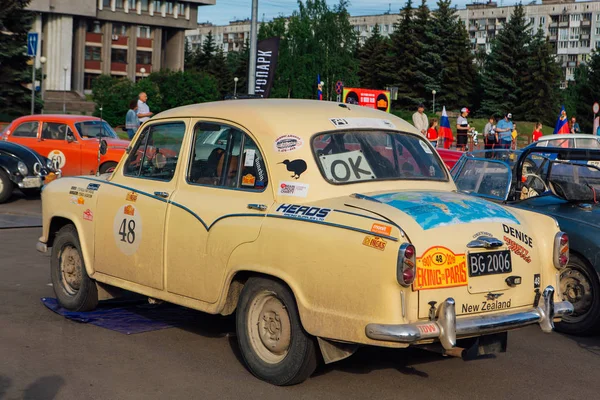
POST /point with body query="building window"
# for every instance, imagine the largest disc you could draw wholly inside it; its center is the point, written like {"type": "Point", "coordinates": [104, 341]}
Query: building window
{"type": "Point", "coordinates": [93, 53]}
{"type": "Point", "coordinates": [144, 32]}
{"type": "Point", "coordinates": [144, 5]}
{"type": "Point", "coordinates": [562, 45]}
{"type": "Point", "coordinates": [584, 43]}
{"type": "Point", "coordinates": [95, 27]}
{"type": "Point", "coordinates": [119, 4]}
{"type": "Point", "coordinates": [118, 56]}
{"type": "Point", "coordinates": [573, 45]}
{"type": "Point", "coordinates": [88, 79]}
{"type": "Point", "coordinates": [575, 17]}
{"type": "Point", "coordinates": [574, 33]}
{"type": "Point", "coordinates": [532, 21]}
{"type": "Point", "coordinates": [157, 6]}
{"type": "Point", "coordinates": [119, 30]}
{"type": "Point", "coordinates": [585, 57]}
{"type": "Point", "coordinates": [144, 57]}
{"type": "Point", "coordinates": [542, 20]}
{"type": "Point", "coordinates": [133, 5]}
{"type": "Point", "coordinates": [106, 3]}
{"type": "Point", "coordinates": [598, 44]}
{"type": "Point", "coordinates": [169, 7]}
{"type": "Point", "coordinates": [181, 8]}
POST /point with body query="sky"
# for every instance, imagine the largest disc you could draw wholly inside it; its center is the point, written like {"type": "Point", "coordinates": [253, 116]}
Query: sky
{"type": "Point", "coordinates": [229, 10]}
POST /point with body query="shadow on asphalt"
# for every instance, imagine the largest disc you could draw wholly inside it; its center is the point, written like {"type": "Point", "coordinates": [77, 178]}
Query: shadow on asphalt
{"type": "Point", "coordinates": [18, 195]}
{"type": "Point", "coordinates": [591, 344]}
{"type": "Point", "coordinates": [44, 388]}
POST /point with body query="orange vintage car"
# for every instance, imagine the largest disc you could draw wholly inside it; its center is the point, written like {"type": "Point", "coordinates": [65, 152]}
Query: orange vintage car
{"type": "Point", "coordinates": [70, 141]}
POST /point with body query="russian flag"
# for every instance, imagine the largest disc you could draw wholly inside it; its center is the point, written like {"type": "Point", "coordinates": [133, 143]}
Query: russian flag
{"type": "Point", "coordinates": [562, 123]}
{"type": "Point", "coordinates": [445, 130]}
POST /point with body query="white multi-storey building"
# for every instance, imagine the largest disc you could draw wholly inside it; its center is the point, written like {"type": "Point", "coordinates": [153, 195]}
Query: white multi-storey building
{"type": "Point", "coordinates": [572, 27]}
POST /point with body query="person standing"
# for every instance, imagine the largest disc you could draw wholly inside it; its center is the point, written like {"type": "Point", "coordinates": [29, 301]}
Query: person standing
{"type": "Point", "coordinates": [420, 120]}
{"type": "Point", "coordinates": [143, 111]}
{"type": "Point", "coordinates": [574, 126]}
{"type": "Point", "coordinates": [432, 133]}
{"type": "Point", "coordinates": [462, 129]}
{"type": "Point", "coordinates": [504, 129]}
{"type": "Point", "coordinates": [131, 119]}
{"type": "Point", "coordinates": [514, 134]}
{"type": "Point", "coordinates": [537, 132]}
{"type": "Point", "coordinates": [490, 137]}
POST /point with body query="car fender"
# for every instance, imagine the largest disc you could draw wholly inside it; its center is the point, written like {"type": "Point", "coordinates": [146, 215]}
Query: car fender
{"type": "Point", "coordinates": [9, 165]}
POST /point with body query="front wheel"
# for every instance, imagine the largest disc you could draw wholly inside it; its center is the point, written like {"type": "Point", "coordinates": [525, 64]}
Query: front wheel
{"type": "Point", "coordinates": [6, 186]}
{"type": "Point", "coordinates": [272, 341]}
{"type": "Point", "coordinates": [579, 285]}
{"type": "Point", "coordinates": [74, 289]}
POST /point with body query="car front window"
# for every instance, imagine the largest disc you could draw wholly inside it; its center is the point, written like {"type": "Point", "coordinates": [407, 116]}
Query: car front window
{"type": "Point", "coordinates": [95, 129]}
{"type": "Point", "coordinates": [485, 178]}
{"type": "Point", "coordinates": [360, 156]}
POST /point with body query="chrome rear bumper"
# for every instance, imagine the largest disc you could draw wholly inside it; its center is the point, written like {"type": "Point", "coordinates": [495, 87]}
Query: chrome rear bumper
{"type": "Point", "coordinates": [447, 328]}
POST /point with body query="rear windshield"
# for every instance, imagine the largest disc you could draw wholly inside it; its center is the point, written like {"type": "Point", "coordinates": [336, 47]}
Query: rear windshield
{"type": "Point", "coordinates": [359, 156]}
{"type": "Point", "coordinates": [94, 129]}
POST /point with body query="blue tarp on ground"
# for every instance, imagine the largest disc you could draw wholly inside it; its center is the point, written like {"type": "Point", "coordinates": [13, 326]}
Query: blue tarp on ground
{"type": "Point", "coordinates": [128, 317]}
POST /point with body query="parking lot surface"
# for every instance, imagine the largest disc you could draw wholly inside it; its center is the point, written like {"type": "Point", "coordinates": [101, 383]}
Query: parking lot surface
{"type": "Point", "coordinates": [45, 356]}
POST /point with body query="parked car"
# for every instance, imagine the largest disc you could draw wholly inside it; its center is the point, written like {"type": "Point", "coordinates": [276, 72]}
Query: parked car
{"type": "Point", "coordinates": [543, 180]}
{"type": "Point", "coordinates": [450, 157]}
{"type": "Point", "coordinates": [321, 226]}
{"type": "Point", "coordinates": [70, 141]}
{"type": "Point", "coordinates": [23, 168]}
{"type": "Point", "coordinates": [569, 140]}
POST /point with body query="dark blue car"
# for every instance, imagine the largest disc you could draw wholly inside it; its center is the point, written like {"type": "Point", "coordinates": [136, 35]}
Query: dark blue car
{"type": "Point", "coordinates": [563, 183]}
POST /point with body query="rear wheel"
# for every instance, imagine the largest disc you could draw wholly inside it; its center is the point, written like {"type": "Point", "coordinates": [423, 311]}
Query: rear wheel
{"type": "Point", "coordinates": [74, 289]}
{"type": "Point", "coordinates": [579, 285]}
{"type": "Point", "coordinates": [107, 167]}
{"type": "Point", "coordinates": [6, 186]}
{"type": "Point", "coordinates": [272, 341]}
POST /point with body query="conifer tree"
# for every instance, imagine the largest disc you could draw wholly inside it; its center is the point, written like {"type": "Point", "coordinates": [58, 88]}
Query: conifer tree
{"type": "Point", "coordinates": [582, 92]}
{"type": "Point", "coordinates": [217, 67]}
{"type": "Point", "coordinates": [206, 53]}
{"type": "Point", "coordinates": [541, 81]}
{"type": "Point", "coordinates": [372, 61]}
{"type": "Point", "coordinates": [424, 73]}
{"type": "Point", "coordinates": [505, 67]}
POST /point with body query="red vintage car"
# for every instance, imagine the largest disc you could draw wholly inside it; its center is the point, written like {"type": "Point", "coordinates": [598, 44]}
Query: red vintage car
{"type": "Point", "coordinates": [449, 157]}
{"type": "Point", "coordinates": [70, 141]}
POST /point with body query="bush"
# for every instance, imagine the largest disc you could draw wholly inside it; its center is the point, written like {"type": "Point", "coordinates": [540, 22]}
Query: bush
{"type": "Point", "coordinates": [165, 90]}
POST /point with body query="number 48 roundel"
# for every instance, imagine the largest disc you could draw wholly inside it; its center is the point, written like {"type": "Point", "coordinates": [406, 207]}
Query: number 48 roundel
{"type": "Point", "coordinates": [127, 229]}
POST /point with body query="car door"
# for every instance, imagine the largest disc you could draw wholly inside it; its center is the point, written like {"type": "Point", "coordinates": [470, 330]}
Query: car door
{"type": "Point", "coordinates": [56, 141]}
{"type": "Point", "coordinates": [132, 207]}
{"type": "Point", "coordinates": [220, 204]}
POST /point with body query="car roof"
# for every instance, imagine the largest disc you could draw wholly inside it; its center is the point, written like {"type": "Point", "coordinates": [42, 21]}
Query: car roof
{"type": "Point", "coordinates": [568, 136]}
{"type": "Point", "coordinates": [63, 117]}
{"type": "Point", "coordinates": [271, 118]}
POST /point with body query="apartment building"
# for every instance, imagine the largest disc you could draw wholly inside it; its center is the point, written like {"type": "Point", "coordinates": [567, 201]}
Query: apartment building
{"type": "Point", "coordinates": [228, 37]}
{"type": "Point", "coordinates": [125, 38]}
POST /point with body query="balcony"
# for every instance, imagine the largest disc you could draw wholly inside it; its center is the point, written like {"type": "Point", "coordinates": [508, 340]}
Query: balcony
{"type": "Point", "coordinates": [119, 40]}
{"type": "Point", "coordinates": [144, 42]}
{"type": "Point", "coordinates": [553, 25]}
{"type": "Point", "coordinates": [586, 23]}
{"type": "Point", "coordinates": [553, 38]}
{"type": "Point", "coordinates": [572, 64]}
{"type": "Point", "coordinates": [564, 24]}
{"type": "Point", "coordinates": [585, 37]}
{"type": "Point", "coordinates": [92, 64]}
{"type": "Point", "coordinates": [118, 67]}
{"type": "Point", "coordinates": [472, 28]}
{"type": "Point", "coordinates": [93, 37]}
{"type": "Point", "coordinates": [147, 67]}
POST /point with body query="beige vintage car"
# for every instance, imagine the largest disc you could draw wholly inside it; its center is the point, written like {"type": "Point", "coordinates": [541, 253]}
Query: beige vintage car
{"type": "Point", "coordinates": [322, 226]}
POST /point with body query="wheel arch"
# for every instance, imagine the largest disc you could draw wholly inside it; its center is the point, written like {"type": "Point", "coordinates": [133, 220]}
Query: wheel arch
{"type": "Point", "coordinates": [57, 222]}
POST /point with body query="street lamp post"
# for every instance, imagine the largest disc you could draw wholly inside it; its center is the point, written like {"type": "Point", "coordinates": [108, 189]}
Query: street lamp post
{"type": "Point", "coordinates": [65, 68]}
{"type": "Point", "coordinates": [433, 92]}
{"type": "Point", "coordinates": [42, 62]}
{"type": "Point", "coordinates": [253, 44]}
{"type": "Point", "coordinates": [143, 71]}
{"type": "Point", "coordinates": [235, 81]}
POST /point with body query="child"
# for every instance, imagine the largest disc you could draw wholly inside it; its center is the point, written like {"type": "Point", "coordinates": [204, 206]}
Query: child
{"type": "Point", "coordinates": [131, 119]}
{"type": "Point", "coordinates": [514, 135]}
{"type": "Point", "coordinates": [537, 133]}
{"type": "Point", "coordinates": [432, 133]}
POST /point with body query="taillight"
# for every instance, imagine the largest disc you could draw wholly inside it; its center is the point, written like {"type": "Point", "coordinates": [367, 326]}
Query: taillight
{"type": "Point", "coordinates": [561, 250]}
{"type": "Point", "coordinates": [406, 268]}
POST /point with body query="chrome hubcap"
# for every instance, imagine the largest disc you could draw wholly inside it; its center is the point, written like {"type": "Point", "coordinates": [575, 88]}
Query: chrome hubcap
{"type": "Point", "coordinates": [269, 327]}
{"type": "Point", "coordinates": [70, 267]}
{"type": "Point", "coordinates": [576, 288]}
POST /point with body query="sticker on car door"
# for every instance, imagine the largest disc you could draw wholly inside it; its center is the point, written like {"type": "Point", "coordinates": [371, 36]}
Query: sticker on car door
{"type": "Point", "coordinates": [127, 229]}
{"type": "Point", "coordinates": [58, 158]}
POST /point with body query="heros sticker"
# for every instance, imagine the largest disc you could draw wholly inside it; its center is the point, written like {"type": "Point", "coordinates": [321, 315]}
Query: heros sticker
{"type": "Point", "coordinates": [439, 267]}
{"type": "Point", "coordinates": [303, 212]}
{"type": "Point", "coordinates": [375, 242]}
{"type": "Point", "coordinates": [287, 143]}
{"type": "Point", "coordinates": [127, 229]}
{"type": "Point", "coordinates": [292, 189]}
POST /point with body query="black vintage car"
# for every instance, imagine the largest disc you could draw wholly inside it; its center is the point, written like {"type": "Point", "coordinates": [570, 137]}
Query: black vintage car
{"type": "Point", "coordinates": [23, 168]}
{"type": "Point", "coordinates": [560, 182]}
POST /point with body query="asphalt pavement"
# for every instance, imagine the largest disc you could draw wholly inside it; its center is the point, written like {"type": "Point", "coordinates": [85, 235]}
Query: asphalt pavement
{"type": "Point", "coordinates": [45, 356]}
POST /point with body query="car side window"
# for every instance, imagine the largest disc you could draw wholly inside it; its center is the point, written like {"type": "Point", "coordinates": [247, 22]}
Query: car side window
{"type": "Point", "coordinates": [227, 157]}
{"type": "Point", "coordinates": [156, 153]}
{"type": "Point", "coordinates": [54, 131]}
{"type": "Point", "coordinates": [26, 129]}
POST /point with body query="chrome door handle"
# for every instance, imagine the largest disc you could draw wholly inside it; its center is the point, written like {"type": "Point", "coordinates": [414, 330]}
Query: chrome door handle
{"type": "Point", "coordinates": [259, 207]}
{"type": "Point", "coordinates": [164, 195]}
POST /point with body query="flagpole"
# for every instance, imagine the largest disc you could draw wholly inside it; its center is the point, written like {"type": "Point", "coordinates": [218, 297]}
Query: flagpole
{"type": "Point", "coordinates": [252, 61]}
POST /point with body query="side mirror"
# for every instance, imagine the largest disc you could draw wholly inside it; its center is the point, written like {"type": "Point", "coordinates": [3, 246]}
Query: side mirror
{"type": "Point", "coordinates": [70, 137]}
{"type": "Point", "coordinates": [103, 147]}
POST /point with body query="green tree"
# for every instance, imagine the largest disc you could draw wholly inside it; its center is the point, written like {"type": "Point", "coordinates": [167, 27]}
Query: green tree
{"type": "Point", "coordinates": [237, 62]}
{"type": "Point", "coordinates": [583, 92]}
{"type": "Point", "coordinates": [112, 97]}
{"type": "Point", "coordinates": [373, 61]}
{"type": "Point", "coordinates": [424, 73]}
{"type": "Point", "coordinates": [541, 81]}
{"type": "Point", "coordinates": [205, 53]}
{"type": "Point", "coordinates": [15, 23]}
{"type": "Point", "coordinates": [505, 67]}
{"type": "Point", "coordinates": [218, 68]}
{"type": "Point", "coordinates": [403, 58]}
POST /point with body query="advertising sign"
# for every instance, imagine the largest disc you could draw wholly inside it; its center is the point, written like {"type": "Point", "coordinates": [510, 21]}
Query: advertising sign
{"type": "Point", "coordinates": [378, 99]}
{"type": "Point", "coordinates": [266, 63]}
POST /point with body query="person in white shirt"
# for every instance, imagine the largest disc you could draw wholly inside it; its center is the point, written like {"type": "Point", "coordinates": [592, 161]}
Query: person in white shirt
{"type": "Point", "coordinates": [143, 111]}
{"type": "Point", "coordinates": [420, 120]}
